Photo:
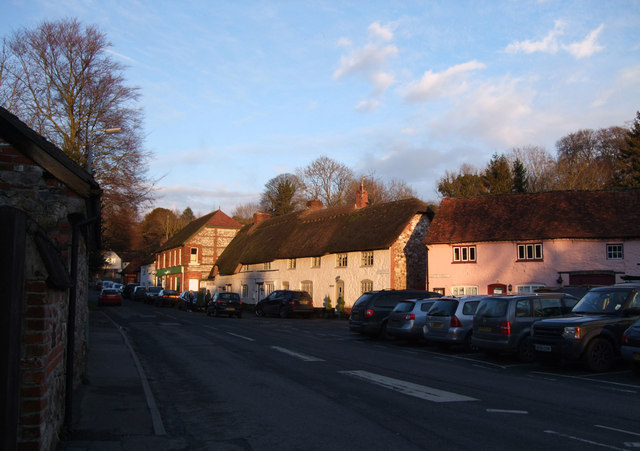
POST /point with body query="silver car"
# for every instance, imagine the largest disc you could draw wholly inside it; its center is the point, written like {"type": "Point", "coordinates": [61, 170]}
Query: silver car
{"type": "Point", "coordinates": [450, 321]}
{"type": "Point", "coordinates": [406, 320]}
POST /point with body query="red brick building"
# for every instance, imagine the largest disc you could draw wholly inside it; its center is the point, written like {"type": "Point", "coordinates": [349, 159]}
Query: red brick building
{"type": "Point", "coordinates": [189, 255]}
{"type": "Point", "coordinates": [50, 220]}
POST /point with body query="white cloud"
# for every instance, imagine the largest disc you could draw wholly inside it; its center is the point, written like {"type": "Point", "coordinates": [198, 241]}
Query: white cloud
{"type": "Point", "coordinates": [441, 84]}
{"type": "Point", "coordinates": [344, 42]}
{"type": "Point", "coordinates": [587, 47]}
{"type": "Point", "coordinates": [549, 44]}
{"type": "Point", "coordinates": [378, 31]}
{"type": "Point", "coordinates": [367, 60]}
{"type": "Point", "coordinates": [367, 105]}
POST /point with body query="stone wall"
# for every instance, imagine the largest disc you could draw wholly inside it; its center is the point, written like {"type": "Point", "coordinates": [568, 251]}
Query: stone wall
{"type": "Point", "coordinates": [47, 203]}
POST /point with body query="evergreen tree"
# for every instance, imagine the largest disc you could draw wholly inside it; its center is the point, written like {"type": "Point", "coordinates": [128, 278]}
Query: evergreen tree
{"type": "Point", "coordinates": [629, 157]}
{"type": "Point", "coordinates": [520, 179]}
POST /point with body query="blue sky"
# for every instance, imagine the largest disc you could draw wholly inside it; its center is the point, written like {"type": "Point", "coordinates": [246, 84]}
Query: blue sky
{"type": "Point", "coordinates": [235, 93]}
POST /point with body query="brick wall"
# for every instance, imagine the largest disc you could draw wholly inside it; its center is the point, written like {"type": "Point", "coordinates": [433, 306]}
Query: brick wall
{"type": "Point", "coordinates": [47, 203]}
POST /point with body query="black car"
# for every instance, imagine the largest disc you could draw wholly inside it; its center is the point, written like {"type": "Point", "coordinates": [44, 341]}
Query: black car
{"type": "Point", "coordinates": [593, 331]}
{"type": "Point", "coordinates": [139, 293]}
{"type": "Point", "coordinates": [225, 303]}
{"type": "Point", "coordinates": [370, 313]}
{"type": "Point", "coordinates": [127, 291]}
{"type": "Point", "coordinates": [284, 303]}
{"type": "Point", "coordinates": [630, 348]}
{"type": "Point", "coordinates": [152, 295]}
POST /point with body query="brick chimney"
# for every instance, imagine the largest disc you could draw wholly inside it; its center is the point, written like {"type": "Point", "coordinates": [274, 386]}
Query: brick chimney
{"type": "Point", "coordinates": [259, 216]}
{"type": "Point", "coordinates": [362, 196]}
{"type": "Point", "coordinates": [314, 204]}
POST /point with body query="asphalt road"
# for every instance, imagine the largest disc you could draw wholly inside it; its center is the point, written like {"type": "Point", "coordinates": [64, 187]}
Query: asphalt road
{"type": "Point", "coordinates": [289, 384]}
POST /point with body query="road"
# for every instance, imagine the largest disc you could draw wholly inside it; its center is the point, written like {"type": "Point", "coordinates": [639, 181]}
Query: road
{"type": "Point", "coordinates": [288, 384]}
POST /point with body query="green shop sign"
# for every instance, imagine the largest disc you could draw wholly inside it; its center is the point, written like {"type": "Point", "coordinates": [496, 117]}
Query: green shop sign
{"type": "Point", "coordinates": [166, 271]}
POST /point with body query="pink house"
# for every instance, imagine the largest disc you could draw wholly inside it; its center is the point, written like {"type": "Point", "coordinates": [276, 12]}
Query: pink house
{"type": "Point", "coordinates": [522, 242]}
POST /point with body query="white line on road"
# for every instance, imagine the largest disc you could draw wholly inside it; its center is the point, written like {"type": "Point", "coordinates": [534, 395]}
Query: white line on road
{"type": "Point", "coordinates": [616, 429]}
{"type": "Point", "coordinates": [408, 388]}
{"type": "Point", "coordinates": [306, 358]}
{"type": "Point", "coordinates": [584, 440]}
{"type": "Point", "coordinates": [584, 378]}
{"type": "Point", "coordinates": [516, 412]}
{"type": "Point", "coordinates": [241, 336]}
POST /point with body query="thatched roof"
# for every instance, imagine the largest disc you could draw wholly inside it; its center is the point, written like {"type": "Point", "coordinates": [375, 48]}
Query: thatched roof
{"type": "Point", "coordinates": [314, 233]}
{"type": "Point", "coordinates": [551, 215]}
{"type": "Point", "coordinates": [213, 219]}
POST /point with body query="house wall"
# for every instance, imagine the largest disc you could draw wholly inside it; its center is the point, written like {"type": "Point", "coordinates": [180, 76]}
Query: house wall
{"type": "Point", "coordinates": [497, 264]}
{"type": "Point", "coordinates": [147, 275]}
{"type": "Point", "coordinates": [409, 265]}
{"type": "Point", "coordinates": [47, 204]}
{"type": "Point", "coordinates": [325, 278]}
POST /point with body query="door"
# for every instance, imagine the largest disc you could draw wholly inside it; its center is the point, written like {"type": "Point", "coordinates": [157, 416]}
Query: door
{"type": "Point", "coordinates": [339, 293]}
{"type": "Point", "coordinates": [496, 288]}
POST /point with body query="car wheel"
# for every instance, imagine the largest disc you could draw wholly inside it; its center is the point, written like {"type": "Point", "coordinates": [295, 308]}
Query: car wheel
{"type": "Point", "coordinates": [468, 345]}
{"type": "Point", "coordinates": [259, 312]}
{"type": "Point", "coordinates": [599, 355]}
{"type": "Point", "coordinates": [525, 350]}
{"type": "Point", "coordinates": [384, 333]}
{"type": "Point", "coordinates": [283, 312]}
{"type": "Point", "coordinates": [239, 315]}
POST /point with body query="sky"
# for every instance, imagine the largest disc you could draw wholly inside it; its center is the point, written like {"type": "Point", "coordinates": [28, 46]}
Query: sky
{"type": "Point", "coordinates": [237, 92]}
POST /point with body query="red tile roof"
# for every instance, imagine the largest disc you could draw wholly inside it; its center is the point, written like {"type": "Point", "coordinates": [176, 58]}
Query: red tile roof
{"type": "Point", "coordinates": [214, 219]}
{"type": "Point", "coordinates": [551, 215]}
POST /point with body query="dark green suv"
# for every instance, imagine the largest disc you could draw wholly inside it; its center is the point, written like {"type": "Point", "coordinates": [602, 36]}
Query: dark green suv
{"type": "Point", "coordinates": [593, 331]}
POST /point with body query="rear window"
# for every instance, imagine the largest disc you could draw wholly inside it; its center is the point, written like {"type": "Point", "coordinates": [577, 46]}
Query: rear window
{"type": "Point", "coordinates": [492, 308]}
{"type": "Point", "coordinates": [170, 293]}
{"type": "Point", "coordinates": [444, 308]}
{"type": "Point", "coordinates": [109, 291]}
{"type": "Point", "coordinates": [229, 296]}
{"type": "Point", "coordinates": [469, 308]}
{"type": "Point", "coordinates": [425, 306]}
{"type": "Point", "coordinates": [388, 300]}
{"type": "Point", "coordinates": [364, 299]}
{"type": "Point", "coordinates": [404, 306]}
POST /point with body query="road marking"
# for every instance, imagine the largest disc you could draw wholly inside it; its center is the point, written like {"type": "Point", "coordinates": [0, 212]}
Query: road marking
{"type": "Point", "coordinates": [306, 358]}
{"type": "Point", "coordinates": [169, 324]}
{"type": "Point", "coordinates": [241, 336]}
{"type": "Point", "coordinates": [590, 379]}
{"type": "Point", "coordinates": [517, 412]}
{"type": "Point", "coordinates": [617, 430]}
{"type": "Point", "coordinates": [583, 440]}
{"type": "Point", "coordinates": [408, 388]}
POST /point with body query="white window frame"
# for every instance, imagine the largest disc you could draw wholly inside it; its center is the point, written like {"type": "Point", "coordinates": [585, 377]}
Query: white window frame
{"type": "Point", "coordinates": [291, 263]}
{"type": "Point", "coordinates": [615, 251]}
{"type": "Point", "coordinates": [366, 258]}
{"type": "Point", "coordinates": [342, 260]}
{"type": "Point", "coordinates": [464, 290]}
{"type": "Point", "coordinates": [366, 285]}
{"type": "Point", "coordinates": [307, 285]}
{"type": "Point", "coordinates": [530, 288]}
{"type": "Point", "coordinates": [530, 251]}
{"type": "Point", "coordinates": [194, 255]}
{"type": "Point", "coordinates": [316, 262]}
{"type": "Point", "coordinates": [465, 254]}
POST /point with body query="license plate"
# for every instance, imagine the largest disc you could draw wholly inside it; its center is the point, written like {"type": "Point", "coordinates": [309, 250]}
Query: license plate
{"type": "Point", "coordinates": [231, 309]}
{"type": "Point", "coordinates": [636, 356]}
{"type": "Point", "coordinates": [542, 348]}
{"type": "Point", "coordinates": [303, 302]}
{"type": "Point", "coordinates": [484, 329]}
{"type": "Point", "coordinates": [436, 325]}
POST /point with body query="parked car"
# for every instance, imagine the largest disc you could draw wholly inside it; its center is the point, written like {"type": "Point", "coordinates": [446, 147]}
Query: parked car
{"type": "Point", "coordinates": [139, 293]}
{"type": "Point", "coordinates": [118, 286]}
{"type": "Point", "coordinates": [285, 303]}
{"type": "Point", "coordinates": [110, 296]}
{"type": "Point", "coordinates": [450, 321]}
{"type": "Point", "coordinates": [225, 303]}
{"type": "Point", "coordinates": [152, 294]}
{"type": "Point", "coordinates": [406, 320]}
{"type": "Point", "coordinates": [127, 291]}
{"type": "Point", "coordinates": [106, 284]}
{"type": "Point", "coordinates": [630, 349]}
{"type": "Point", "coordinates": [593, 332]}
{"type": "Point", "coordinates": [167, 298]}
{"type": "Point", "coordinates": [503, 323]}
{"type": "Point", "coordinates": [188, 300]}
{"type": "Point", "coordinates": [370, 312]}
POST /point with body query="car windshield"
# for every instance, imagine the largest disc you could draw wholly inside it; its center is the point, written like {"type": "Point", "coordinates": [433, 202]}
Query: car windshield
{"type": "Point", "coordinates": [443, 308]}
{"type": "Point", "coordinates": [608, 302]}
{"type": "Point", "coordinates": [404, 306]}
{"type": "Point", "coordinates": [492, 308]}
{"type": "Point", "coordinates": [169, 293]}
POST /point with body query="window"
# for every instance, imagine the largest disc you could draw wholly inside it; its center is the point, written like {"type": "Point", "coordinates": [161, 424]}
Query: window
{"type": "Point", "coordinates": [266, 266]}
{"type": "Point", "coordinates": [366, 285]}
{"type": "Point", "coordinates": [194, 255]}
{"type": "Point", "coordinates": [528, 288]}
{"type": "Point", "coordinates": [307, 285]}
{"type": "Point", "coordinates": [615, 252]}
{"type": "Point", "coordinates": [291, 263]}
{"type": "Point", "coordinates": [464, 253]}
{"type": "Point", "coordinates": [245, 291]}
{"type": "Point", "coordinates": [285, 285]}
{"type": "Point", "coordinates": [464, 291]}
{"type": "Point", "coordinates": [367, 258]}
{"type": "Point", "coordinates": [341, 260]}
{"type": "Point", "coordinates": [530, 251]}
{"type": "Point", "coordinates": [268, 288]}
{"type": "Point", "coordinates": [315, 262]}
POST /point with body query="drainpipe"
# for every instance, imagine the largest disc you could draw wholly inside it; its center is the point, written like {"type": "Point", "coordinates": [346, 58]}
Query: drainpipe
{"type": "Point", "coordinates": [71, 323]}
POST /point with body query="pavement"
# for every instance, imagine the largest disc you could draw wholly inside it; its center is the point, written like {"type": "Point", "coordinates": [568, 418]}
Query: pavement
{"type": "Point", "coordinates": [114, 408]}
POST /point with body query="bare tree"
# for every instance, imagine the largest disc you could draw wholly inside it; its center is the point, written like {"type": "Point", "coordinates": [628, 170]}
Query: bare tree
{"type": "Point", "coordinates": [244, 213]}
{"type": "Point", "coordinates": [540, 166]}
{"type": "Point", "coordinates": [60, 80]}
{"type": "Point", "coordinates": [379, 190]}
{"type": "Point", "coordinates": [327, 180]}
